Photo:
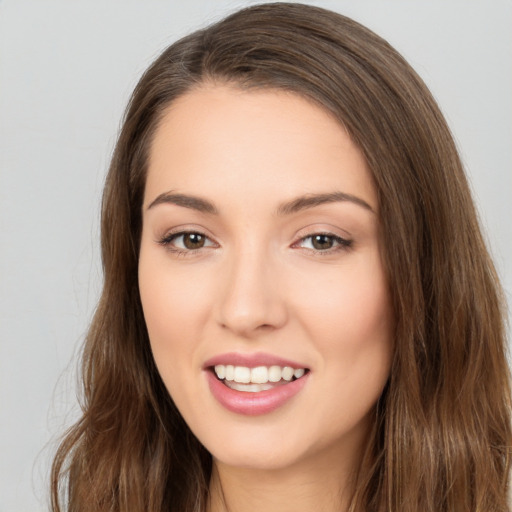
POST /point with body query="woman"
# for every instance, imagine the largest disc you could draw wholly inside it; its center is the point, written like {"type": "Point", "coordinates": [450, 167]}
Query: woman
{"type": "Point", "coordinates": [299, 310]}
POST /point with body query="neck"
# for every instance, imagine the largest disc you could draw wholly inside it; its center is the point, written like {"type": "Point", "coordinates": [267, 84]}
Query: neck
{"type": "Point", "coordinates": [302, 487]}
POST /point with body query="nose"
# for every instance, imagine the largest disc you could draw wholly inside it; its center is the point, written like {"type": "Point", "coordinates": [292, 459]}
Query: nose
{"type": "Point", "coordinates": [251, 300]}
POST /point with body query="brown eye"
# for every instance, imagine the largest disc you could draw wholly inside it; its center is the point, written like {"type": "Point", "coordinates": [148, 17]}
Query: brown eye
{"type": "Point", "coordinates": [322, 242]}
{"type": "Point", "coordinates": [186, 241]}
{"type": "Point", "coordinates": [193, 240]}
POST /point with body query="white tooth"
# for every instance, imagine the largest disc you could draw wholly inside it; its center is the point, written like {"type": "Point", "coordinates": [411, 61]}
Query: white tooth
{"type": "Point", "coordinates": [274, 374]}
{"type": "Point", "coordinates": [298, 373]}
{"type": "Point", "coordinates": [230, 372]}
{"type": "Point", "coordinates": [242, 374]}
{"type": "Point", "coordinates": [259, 375]}
{"type": "Point", "coordinates": [287, 373]}
{"type": "Point", "coordinates": [220, 370]}
{"type": "Point", "coordinates": [249, 388]}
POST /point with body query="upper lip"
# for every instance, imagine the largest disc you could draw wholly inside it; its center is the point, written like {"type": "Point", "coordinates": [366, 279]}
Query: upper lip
{"type": "Point", "coordinates": [251, 360]}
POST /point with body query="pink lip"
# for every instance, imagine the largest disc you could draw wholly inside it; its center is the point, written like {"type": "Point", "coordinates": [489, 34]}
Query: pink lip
{"type": "Point", "coordinates": [251, 360]}
{"type": "Point", "coordinates": [247, 403]}
{"type": "Point", "coordinates": [253, 404]}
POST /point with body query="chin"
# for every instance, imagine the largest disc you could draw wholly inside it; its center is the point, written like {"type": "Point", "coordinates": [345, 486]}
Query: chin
{"type": "Point", "coordinates": [257, 460]}
{"type": "Point", "coordinates": [252, 447]}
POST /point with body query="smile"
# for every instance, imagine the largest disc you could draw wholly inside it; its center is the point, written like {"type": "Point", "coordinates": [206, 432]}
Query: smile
{"type": "Point", "coordinates": [260, 378]}
{"type": "Point", "coordinates": [252, 385]}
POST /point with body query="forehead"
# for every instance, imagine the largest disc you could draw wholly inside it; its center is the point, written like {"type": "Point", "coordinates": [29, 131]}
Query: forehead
{"type": "Point", "coordinates": [266, 142]}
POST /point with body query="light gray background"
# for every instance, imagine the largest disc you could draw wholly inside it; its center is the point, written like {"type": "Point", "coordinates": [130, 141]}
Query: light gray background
{"type": "Point", "coordinates": [66, 71]}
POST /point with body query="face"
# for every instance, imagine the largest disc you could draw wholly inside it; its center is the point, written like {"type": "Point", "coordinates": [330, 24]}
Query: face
{"type": "Point", "coordinates": [261, 277]}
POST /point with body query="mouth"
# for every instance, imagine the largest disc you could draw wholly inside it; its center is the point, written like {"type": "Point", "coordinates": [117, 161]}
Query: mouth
{"type": "Point", "coordinates": [256, 379]}
{"type": "Point", "coordinates": [254, 384]}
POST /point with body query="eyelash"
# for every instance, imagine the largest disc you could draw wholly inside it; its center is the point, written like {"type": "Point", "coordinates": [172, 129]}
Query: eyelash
{"type": "Point", "coordinates": [168, 239]}
{"type": "Point", "coordinates": [343, 244]}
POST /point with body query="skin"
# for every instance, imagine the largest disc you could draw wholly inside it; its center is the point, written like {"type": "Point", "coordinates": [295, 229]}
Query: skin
{"type": "Point", "coordinates": [259, 284]}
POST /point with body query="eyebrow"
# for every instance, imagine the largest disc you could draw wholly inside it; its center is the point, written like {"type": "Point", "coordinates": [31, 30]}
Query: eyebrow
{"type": "Point", "coordinates": [312, 200]}
{"type": "Point", "coordinates": [295, 205]}
{"type": "Point", "coordinates": [187, 201]}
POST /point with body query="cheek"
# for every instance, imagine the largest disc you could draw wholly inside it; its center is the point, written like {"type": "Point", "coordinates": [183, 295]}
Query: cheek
{"type": "Point", "coordinates": [348, 316]}
{"type": "Point", "coordinates": [352, 327]}
{"type": "Point", "coordinates": [350, 302]}
{"type": "Point", "coordinates": [172, 308]}
{"type": "Point", "coordinates": [173, 299]}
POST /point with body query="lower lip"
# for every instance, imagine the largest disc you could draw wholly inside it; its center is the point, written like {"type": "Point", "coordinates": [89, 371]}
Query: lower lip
{"type": "Point", "coordinates": [253, 404]}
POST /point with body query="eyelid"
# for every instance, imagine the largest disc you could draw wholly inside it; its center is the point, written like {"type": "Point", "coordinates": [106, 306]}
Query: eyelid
{"type": "Point", "coordinates": [174, 236]}
{"type": "Point", "coordinates": [169, 236]}
{"type": "Point", "coordinates": [342, 243]}
{"type": "Point", "coordinates": [183, 229]}
{"type": "Point", "coordinates": [322, 228]}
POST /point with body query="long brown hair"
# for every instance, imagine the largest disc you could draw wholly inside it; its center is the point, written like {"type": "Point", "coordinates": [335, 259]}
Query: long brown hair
{"type": "Point", "coordinates": [442, 434]}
